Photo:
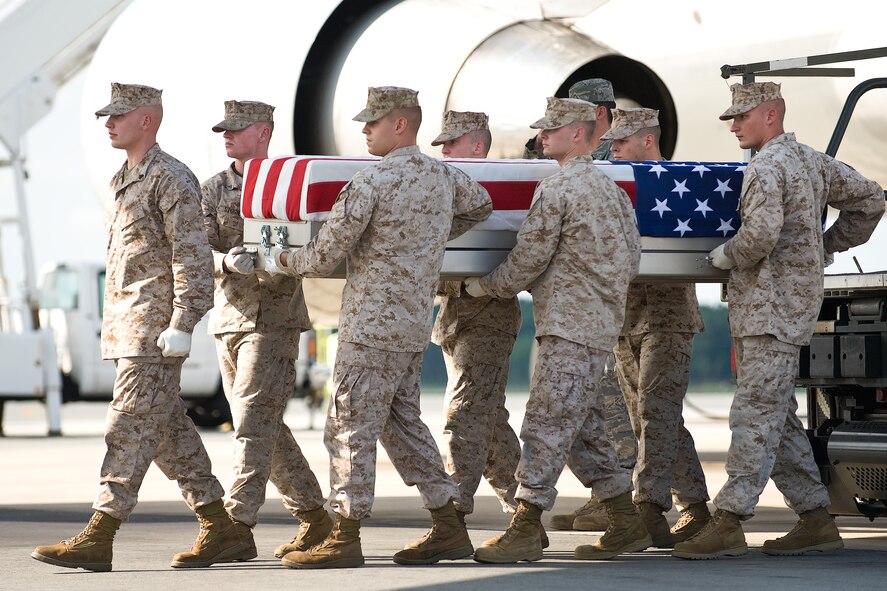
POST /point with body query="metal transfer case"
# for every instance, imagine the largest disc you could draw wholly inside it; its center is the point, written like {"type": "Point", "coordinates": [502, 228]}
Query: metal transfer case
{"type": "Point", "coordinates": [683, 209]}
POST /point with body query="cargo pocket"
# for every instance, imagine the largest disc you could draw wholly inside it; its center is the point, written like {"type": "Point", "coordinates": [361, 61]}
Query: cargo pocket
{"type": "Point", "coordinates": [358, 395]}
{"type": "Point", "coordinates": [135, 243]}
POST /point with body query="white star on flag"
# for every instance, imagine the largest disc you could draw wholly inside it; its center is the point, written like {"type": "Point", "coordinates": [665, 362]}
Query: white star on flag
{"type": "Point", "coordinates": [701, 169]}
{"type": "Point", "coordinates": [683, 226]}
{"type": "Point", "coordinates": [741, 168]}
{"type": "Point", "coordinates": [680, 188]}
{"type": "Point", "coordinates": [723, 187]}
{"type": "Point", "coordinates": [658, 169]}
{"type": "Point", "coordinates": [661, 207]}
{"type": "Point", "coordinates": [703, 207]}
{"type": "Point", "coordinates": [726, 226]}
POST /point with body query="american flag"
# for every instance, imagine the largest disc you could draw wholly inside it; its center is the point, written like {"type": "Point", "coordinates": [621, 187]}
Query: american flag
{"type": "Point", "coordinates": [677, 199]}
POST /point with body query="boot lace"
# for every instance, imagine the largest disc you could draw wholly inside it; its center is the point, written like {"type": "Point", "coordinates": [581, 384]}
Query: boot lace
{"type": "Point", "coordinates": [90, 527]}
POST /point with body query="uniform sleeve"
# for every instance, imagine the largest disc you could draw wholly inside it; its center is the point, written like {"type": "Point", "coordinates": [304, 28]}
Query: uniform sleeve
{"type": "Point", "coordinates": [209, 201]}
{"type": "Point", "coordinates": [861, 205]}
{"type": "Point", "coordinates": [762, 219]}
{"type": "Point", "coordinates": [343, 228]}
{"type": "Point", "coordinates": [536, 243]}
{"type": "Point", "coordinates": [472, 204]}
{"type": "Point", "coordinates": [192, 261]}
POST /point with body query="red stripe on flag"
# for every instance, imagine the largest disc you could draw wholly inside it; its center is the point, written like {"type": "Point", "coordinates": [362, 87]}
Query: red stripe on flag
{"type": "Point", "coordinates": [629, 187]}
{"type": "Point", "coordinates": [293, 193]}
{"type": "Point", "coordinates": [510, 195]}
{"type": "Point", "coordinates": [322, 195]}
{"type": "Point", "coordinates": [249, 188]}
{"type": "Point", "coordinates": [271, 187]}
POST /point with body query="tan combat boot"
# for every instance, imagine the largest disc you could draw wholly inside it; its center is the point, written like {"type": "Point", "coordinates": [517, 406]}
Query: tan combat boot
{"type": "Point", "coordinates": [722, 536]}
{"type": "Point", "coordinates": [592, 516]}
{"type": "Point", "coordinates": [693, 518]}
{"type": "Point", "coordinates": [217, 541]}
{"type": "Point", "coordinates": [815, 532]}
{"type": "Point", "coordinates": [89, 550]}
{"type": "Point", "coordinates": [446, 540]}
{"type": "Point", "coordinates": [247, 543]}
{"type": "Point", "coordinates": [315, 526]}
{"type": "Point", "coordinates": [340, 549]}
{"type": "Point", "coordinates": [656, 524]}
{"type": "Point", "coordinates": [521, 541]}
{"type": "Point", "coordinates": [626, 532]}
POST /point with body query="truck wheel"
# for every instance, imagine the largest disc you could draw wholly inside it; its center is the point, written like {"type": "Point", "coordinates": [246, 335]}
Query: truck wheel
{"type": "Point", "coordinates": [210, 412]}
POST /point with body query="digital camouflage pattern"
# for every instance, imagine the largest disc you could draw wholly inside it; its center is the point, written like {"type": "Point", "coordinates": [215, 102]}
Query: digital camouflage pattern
{"type": "Point", "coordinates": [480, 442]}
{"type": "Point", "coordinates": [391, 224]}
{"type": "Point", "coordinates": [661, 307]}
{"type": "Point", "coordinates": [270, 304]}
{"type": "Point", "coordinates": [602, 152]}
{"type": "Point", "coordinates": [257, 320]}
{"type": "Point", "coordinates": [748, 96]}
{"type": "Point", "coordinates": [628, 122]}
{"type": "Point", "coordinates": [381, 100]}
{"type": "Point", "coordinates": [768, 440]}
{"type": "Point", "coordinates": [159, 265]}
{"type": "Point", "coordinates": [775, 292]}
{"type": "Point", "coordinates": [147, 422]}
{"type": "Point", "coordinates": [259, 377]}
{"type": "Point", "coordinates": [654, 371]}
{"type": "Point", "coordinates": [579, 284]}
{"type": "Point", "coordinates": [563, 111]}
{"type": "Point", "coordinates": [241, 114]}
{"type": "Point", "coordinates": [458, 123]}
{"type": "Point", "coordinates": [776, 285]}
{"type": "Point", "coordinates": [564, 405]}
{"type": "Point", "coordinates": [593, 90]}
{"type": "Point", "coordinates": [375, 397]}
{"type": "Point", "coordinates": [128, 97]}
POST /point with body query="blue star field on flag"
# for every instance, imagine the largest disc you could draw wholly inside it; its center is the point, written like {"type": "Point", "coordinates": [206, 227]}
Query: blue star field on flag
{"type": "Point", "coordinates": [687, 199]}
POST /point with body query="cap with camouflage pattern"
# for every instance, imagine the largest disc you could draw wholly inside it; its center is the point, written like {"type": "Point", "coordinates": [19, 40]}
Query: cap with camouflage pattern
{"type": "Point", "coordinates": [593, 90]}
{"type": "Point", "coordinates": [562, 111]}
{"type": "Point", "coordinates": [381, 100]}
{"type": "Point", "coordinates": [627, 122]}
{"type": "Point", "coordinates": [458, 123]}
{"type": "Point", "coordinates": [126, 97]}
{"type": "Point", "coordinates": [748, 96]}
{"type": "Point", "coordinates": [241, 114]}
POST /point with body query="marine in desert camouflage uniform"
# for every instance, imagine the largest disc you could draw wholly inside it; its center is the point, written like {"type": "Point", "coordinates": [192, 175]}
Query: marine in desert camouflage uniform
{"type": "Point", "coordinates": [653, 362]}
{"type": "Point", "coordinates": [776, 262]}
{"type": "Point", "coordinates": [592, 516]}
{"type": "Point", "coordinates": [257, 319]}
{"type": "Point", "coordinates": [579, 286]}
{"type": "Point", "coordinates": [391, 224]}
{"type": "Point", "coordinates": [158, 286]}
{"type": "Point", "coordinates": [476, 336]}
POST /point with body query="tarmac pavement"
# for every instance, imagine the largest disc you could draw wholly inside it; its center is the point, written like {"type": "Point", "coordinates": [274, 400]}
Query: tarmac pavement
{"type": "Point", "coordinates": [47, 486]}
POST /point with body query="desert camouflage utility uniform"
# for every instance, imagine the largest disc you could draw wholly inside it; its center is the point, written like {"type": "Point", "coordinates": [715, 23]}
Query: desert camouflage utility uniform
{"type": "Point", "coordinates": [256, 319]}
{"type": "Point", "coordinates": [391, 224]}
{"type": "Point", "coordinates": [159, 274]}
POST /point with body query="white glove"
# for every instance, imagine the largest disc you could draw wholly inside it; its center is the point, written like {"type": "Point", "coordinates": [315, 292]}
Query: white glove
{"type": "Point", "coordinates": [828, 258]}
{"type": "Point", "coordinates": [174, 342]}
{"type": "Point", "coordinates": [473, 288]}
{"type": "Point", "coordinates": [239, 261]}
{"type": "Point", "coordinates": [269, 265]}
{"type": "Point", "coordinates": [720, 259]}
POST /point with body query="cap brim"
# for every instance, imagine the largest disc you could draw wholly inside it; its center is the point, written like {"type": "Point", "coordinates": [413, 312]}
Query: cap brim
{"type": "Point", "coordinates": [618, 133]}
{"type": "Point", "coordinates": [546, 123]}
{"type": "Point", "coordinates": [114, 109]}
{"type": "Point", "coordinates": [369, 115]}
{"type": "Point", "coordinates": [226, 125]}
{"type": "Point", "coordinates": [445, 137]}
{"type": "Point", "coordinates": [736, 110]}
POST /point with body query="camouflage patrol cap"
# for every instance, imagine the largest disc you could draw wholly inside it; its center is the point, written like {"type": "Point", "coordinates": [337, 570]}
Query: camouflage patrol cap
{"type": "Point", "coordinates": [381, 100]}
{"type": "Point", "coordinates": [627, 122]}
{"type": "Point", "coordinates": [241, 114]}
{"type": "Point", "coordinates": [126, 97]}
{"type": "Point", "coordinates": [562, 111]}
{"type": "Point", "coordinates": [593, 90]}
{"type": "Point", "coordinates": [748, 96]}
{"type": "Point", "coordinates": [458, 123]}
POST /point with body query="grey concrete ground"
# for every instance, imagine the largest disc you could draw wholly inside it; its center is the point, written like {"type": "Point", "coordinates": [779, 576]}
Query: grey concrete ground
{"type": "Point", "coordinates": [47, 486]}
